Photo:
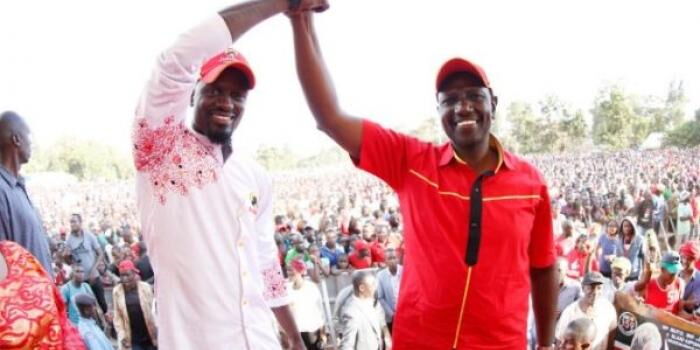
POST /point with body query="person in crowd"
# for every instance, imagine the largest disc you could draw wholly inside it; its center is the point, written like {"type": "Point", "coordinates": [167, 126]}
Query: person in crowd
{"type": "Point", "coordinates": [567, 241]}
{"type": "Point", "coordinates": [594, 307]}
{"type": "Point", "coordinates": [193, 167]}
{"type": "Point", "coordinates": [86, 251]}
{"type": "Point", "coordinates": [617, 282]}
{"type": "Point", "coordinates": [362, 319]}
{"type": "Point", "coordinates": [133, 310]}
{"type": "Point", "coordinates": [38, 317]}
{"type": "Point", "coordinates": [378, 246]}
{"type": "Point", "coordinates": [666, 290]}
{"type": "Point", "coordinates": [93, 336]}
{"type": "Point", "coordinates": [646, 337]}
{"type": "Point", "coordinates": [609, 246]}
{"type": "Point", "coordinates": [389, 284]}
{"type": "Point", "coordinates": [569, 289]}
{"type": "Point", "coordinates": [19, 220]}
{"type": "Point", "coordinates": [689, 253]}
{"type": "Point", "coordinates": [299, 248]}
{"type": "Point", "coordinates": [472, 170]}
{"type": "Point", "coordinates": [330, 249]}
{"type": "Point", "coordinates": [107, 278]}
{"type": "Point", "coordinates": [578, 335]}
{"type": "Point", "coordinates": [319, 266]}
{"type": "Point", "coordinates": [685, 217]}
{"type": "Point", "coordinates": [360, 257]}
{"type": "Point", "coordinates": [632, 247]}
{"type": "Point", "coordinates": [581, 258]}
{"type": "Point", "coordinates": [71, 289]}
{"type": "Point", "coordinates": [307, 305]}
{"type": "Point", "coordinates": [143, 264]}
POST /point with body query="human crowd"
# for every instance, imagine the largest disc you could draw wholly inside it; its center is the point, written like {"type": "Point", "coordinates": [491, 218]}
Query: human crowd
{"type": "Point", "coordinates": [624, 222]}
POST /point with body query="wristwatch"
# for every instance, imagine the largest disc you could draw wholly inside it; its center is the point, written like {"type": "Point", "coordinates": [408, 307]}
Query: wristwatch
{"type": "Point", "coordinates": [294, 4]}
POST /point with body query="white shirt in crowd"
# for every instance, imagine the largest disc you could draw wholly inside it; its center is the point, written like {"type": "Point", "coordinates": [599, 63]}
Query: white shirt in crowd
{"type": "Point", "coordinates": [603, 316]}
{"type": "Point", "coordinates": [207, 223]}
{"type": "Point", "coordinates": [307, 306]}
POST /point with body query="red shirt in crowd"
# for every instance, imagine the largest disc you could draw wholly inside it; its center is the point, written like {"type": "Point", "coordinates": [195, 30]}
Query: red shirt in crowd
{"type": "Point", "coordinates": [577, 264]}
{"type": "Point", "coordinates": [359, 263]}
{"type": "Point", "coordinates": [666, 299]}
{"type": "Point", "coordinates": [434, 188]}
{"type": "Point", "coordinates": [378, 252]}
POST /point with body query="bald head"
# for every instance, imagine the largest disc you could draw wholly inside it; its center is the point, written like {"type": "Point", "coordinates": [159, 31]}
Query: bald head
{"type": "Point", "coordinates": [14, 139]}
{"type": "Point", "coordinates": [581, 330]}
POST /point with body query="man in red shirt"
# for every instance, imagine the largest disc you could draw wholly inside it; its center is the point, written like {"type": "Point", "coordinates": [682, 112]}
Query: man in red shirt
{"type": "Point", "coordinates": [666, 290]}
{"type": "Point", "coordinates": [478, 222]}
{"type": "Point", "coordinates": [360, 257]}
{"type": "Point", "coordinates": [378, 247]}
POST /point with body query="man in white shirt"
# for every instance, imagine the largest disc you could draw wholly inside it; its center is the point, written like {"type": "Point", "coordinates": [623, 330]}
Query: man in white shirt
{"type": "Point", "coordinates": [594, 307]}
{"type": "Point", "coordinates": [569, 289]}
{"type": "Point", "coordinates": [198, 198]}
{"type": "Point", "coordinates": [362, 320]}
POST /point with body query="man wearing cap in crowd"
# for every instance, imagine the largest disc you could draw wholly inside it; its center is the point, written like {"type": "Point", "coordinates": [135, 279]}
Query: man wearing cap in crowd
{"type": "Point", "coordinates": [360, 257]}
{"type": "Point", "coordinates": [690, 252]}
{"type": "Point", "coordinates": [133, 310]}
{"type": "Point", "coordinates": [489, 209]}
{"type": "Point", "coordinates": [92, 334]}
{"type": "Point", "coordinates": [594, 307]}
{"type": "Point", "coordinates": [620, 267]}
{"type": "Point", "coordinates": [665, 291]}
{"type": "Point", "coordinates": [199, 198]}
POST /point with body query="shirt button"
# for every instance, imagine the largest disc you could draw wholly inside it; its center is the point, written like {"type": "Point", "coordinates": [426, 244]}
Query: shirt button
{"type": "Point", "coordinates": [245, 302]}
{"type": "Point", "coordinates": [240, 243]}
{"type": "Point", "coordinates": [245, 273]}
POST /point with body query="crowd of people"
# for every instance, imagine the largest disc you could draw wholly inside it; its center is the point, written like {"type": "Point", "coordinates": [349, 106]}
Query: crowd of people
{"type": "Point", "coordinates": [624, 222]}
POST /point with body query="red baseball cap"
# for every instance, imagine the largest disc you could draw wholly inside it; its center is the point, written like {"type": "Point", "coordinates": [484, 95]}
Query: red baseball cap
{"type": "Point", "coordinates": [457, 65]}
{"type": "Point", "coordinates": [360, 244]}
{"type": "Point", "coordinates": [127, 265]}
{"type": "Point", "coordinates": [229, 58]}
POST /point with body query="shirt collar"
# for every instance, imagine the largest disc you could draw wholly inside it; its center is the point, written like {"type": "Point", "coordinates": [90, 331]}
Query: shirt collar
{"type": "Point", "coordinates": [9, 178]}
{"type": "Point", "coordinates": [448, 154]}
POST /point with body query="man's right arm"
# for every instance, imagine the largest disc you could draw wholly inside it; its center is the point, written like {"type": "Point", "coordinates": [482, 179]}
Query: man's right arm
{"type": "Point", "coordinates": [319, 90]}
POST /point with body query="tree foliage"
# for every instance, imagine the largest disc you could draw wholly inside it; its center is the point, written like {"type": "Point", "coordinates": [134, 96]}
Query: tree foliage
{"type": "Point", "coordinates": [686, 135]}
{"type": "Point", "coordinates": [553, 127]}
{"type": "Point", "coordinates": [84, 159]}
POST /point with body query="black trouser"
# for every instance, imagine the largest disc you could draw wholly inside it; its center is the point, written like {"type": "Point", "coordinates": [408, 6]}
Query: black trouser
{"type": "Point", "coordinates": [99, 291]}
{"type": "Point", "coordinates": [312, 340]}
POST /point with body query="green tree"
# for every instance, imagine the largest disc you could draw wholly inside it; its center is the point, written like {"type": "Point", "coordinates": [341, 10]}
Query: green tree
{"type": "Point", "coordinates": [85, 159]}
{"type": "Point", "coordinates": [686, 135]}
{"type": "Point", "coordinates": [615, 121]}
{"type": "Point", "coordinates": [526, 127]}
{"type": "Point", "coordinates": [276, 158]}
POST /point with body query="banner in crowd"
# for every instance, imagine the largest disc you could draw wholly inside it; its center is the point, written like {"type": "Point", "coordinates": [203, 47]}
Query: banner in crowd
{"type": "Point", "coordinates": [643, 327]}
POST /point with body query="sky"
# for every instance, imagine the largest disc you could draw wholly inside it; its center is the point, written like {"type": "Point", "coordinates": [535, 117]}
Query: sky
{"type": "Point", "coordinates": [76, 67]}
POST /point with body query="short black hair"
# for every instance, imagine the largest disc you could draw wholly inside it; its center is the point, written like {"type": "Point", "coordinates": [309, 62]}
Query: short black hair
{"type": "Point", "coordinates": [76, 215]}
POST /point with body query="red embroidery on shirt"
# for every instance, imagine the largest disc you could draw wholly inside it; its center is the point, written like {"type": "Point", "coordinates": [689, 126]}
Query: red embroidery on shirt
{"type": "Point", "coordinates": [173, 157]}
{"type": "Point", "coordinates": [275, 286]}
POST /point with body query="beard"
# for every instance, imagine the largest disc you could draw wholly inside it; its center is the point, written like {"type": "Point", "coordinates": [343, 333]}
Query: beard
{"type": "Point", "coordinates": [222, 137]}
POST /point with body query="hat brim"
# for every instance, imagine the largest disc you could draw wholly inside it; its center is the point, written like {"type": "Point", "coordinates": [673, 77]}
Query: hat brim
{"type": "Point", "coordinates": [671, 267]}
{"type": "Point", "coordinates": [213, 74]}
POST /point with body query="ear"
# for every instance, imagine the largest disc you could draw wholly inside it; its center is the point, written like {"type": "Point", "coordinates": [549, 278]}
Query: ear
{"type": "Point", "coordinates": [16, 140]}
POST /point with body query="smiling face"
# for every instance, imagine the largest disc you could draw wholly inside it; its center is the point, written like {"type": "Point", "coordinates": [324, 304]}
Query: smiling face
{"type": "Point", "coordinates": [466, 109]}
{"type": "Point", "coordinates": [219, 106]}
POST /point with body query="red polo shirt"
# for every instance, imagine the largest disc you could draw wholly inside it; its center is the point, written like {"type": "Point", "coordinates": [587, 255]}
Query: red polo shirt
{"type": "Point", "coordinates": [434, 190]}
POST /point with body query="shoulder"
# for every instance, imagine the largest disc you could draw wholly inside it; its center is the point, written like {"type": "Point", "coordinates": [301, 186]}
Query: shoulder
{"type": "Point", "coordinates": [524, 167]}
